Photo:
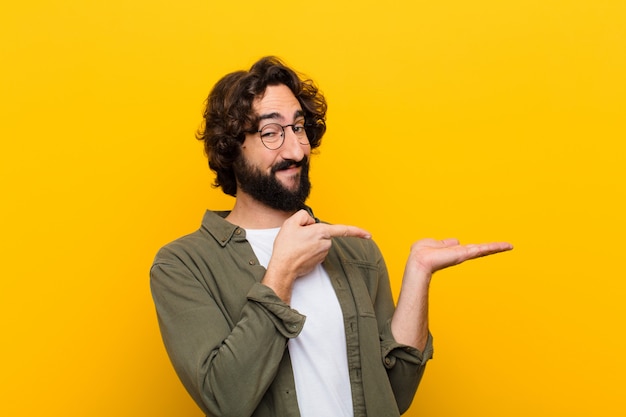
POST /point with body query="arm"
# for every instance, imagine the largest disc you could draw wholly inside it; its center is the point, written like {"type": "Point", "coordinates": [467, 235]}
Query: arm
{"type": "Point", "coordinates": [410, 320]}
{"type": "Point", "coordinates": [406, 341]}
{"type": "Point", "coordinates": [227, 340]}
{"type": "Point", "coordinates": [227, 350]}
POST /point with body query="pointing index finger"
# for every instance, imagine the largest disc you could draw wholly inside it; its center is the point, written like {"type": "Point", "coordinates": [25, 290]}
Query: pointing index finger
{"type": "Point", "coordinates": [342, 230]}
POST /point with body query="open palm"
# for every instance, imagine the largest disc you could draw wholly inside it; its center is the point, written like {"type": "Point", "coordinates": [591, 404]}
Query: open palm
{"type": "Point", "coordinates": [432, 255]}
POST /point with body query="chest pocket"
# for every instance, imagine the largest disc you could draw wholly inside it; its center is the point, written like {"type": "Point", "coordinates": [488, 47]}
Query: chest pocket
{"type": "Point", "coordinates": [363, 279]}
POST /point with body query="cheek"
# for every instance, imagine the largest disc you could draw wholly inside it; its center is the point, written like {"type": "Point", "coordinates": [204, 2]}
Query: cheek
{"type": "Point", "coordinates": [248, 150]}
{"type": "Point", "coordinates": [258, 158]}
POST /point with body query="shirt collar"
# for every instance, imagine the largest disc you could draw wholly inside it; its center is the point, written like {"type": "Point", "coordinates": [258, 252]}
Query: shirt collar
{"type": "Point", "coordinates": [223, 231]}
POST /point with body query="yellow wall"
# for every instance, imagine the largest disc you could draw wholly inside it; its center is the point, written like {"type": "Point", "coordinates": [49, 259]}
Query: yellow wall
{"type": "Point", "coordinates": [482, 120]}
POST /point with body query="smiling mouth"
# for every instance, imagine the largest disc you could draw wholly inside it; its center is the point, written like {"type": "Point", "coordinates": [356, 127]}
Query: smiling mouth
{"type": "Point", "coordinates": [289, 168]}
{"type": "Point", "coordinates": [288, 165]}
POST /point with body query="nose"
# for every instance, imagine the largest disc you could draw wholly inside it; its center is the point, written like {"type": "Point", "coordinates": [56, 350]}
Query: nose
{"type": "Point", "coordinates": [292, 148]}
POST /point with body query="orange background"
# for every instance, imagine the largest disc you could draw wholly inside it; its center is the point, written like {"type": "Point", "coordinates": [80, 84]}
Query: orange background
{"type": "Point", "coordinates": [484, 120]}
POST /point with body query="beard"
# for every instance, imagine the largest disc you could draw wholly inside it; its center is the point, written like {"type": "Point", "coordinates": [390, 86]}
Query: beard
{"type": "Point", "coordinates": [267, 189]}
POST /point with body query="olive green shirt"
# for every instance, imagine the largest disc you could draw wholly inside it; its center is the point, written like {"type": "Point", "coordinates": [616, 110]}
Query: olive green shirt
{"type": "Point", "coordinates": [226, 333]}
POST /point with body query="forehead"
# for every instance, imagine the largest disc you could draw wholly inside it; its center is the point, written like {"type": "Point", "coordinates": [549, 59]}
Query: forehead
{"type": "Point", "coordinates": [276, 102]}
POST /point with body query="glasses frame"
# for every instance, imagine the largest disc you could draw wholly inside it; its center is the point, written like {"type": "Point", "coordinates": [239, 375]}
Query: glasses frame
{"type": "Point", "coordinates": [305, 126]}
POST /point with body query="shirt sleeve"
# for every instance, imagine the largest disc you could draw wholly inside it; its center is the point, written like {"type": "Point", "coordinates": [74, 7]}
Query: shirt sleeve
{"type": "Point", "coordinates": [226, 366]}
{"type": "Point", "coordinates": [405, 364]}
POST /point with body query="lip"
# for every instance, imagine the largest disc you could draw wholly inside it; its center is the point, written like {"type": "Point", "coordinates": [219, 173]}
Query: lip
{"type": "Point", "coordinates": [292, 169]}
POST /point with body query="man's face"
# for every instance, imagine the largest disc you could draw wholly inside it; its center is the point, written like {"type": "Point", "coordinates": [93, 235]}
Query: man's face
{"type": "Point", "coordinates": [277, 178]}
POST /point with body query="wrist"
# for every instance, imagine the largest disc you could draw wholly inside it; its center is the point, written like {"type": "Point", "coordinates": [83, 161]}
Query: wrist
{"type": "Point", "coordinates": [281, 282]}
{"type": "Point", "coordinates": [417, 274]}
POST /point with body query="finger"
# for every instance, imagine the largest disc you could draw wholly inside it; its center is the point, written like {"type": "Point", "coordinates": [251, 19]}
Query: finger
{"type": "Point", "coordinates": [450, 242]}
{"type": "Point", "coordinates": [495, 247]}
{"type": "Point", "coordinates": [341, 230]}
{"type": "Point", "coordinates": [486, 249]}
{"type": "Point", "coordinates": [302, 218]}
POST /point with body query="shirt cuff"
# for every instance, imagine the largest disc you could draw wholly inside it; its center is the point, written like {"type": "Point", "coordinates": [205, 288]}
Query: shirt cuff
{"type": "Point", "coordinates": [393, 351]}
{"type": "Point", "coordinates": [288, 322]}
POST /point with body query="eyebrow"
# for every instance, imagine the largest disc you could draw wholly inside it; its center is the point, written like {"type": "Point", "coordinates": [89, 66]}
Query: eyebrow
{"type": "Point", "coordinates": [276, 115]}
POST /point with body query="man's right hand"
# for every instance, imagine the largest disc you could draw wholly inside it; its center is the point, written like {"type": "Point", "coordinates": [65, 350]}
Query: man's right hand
{"type": "Point", "coordinates": [300, 245]}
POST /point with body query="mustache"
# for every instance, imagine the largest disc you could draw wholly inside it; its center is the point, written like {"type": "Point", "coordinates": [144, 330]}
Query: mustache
{"type": "Point", "coordinates": [288, 163]}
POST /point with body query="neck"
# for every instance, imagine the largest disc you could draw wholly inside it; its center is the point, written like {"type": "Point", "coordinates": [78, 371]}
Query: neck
{"type": "Point", "coordinates": [251, 214]}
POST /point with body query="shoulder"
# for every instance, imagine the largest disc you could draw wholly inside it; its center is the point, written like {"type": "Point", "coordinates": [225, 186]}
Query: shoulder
{"type": "Point", "coordinates": [183, 248]}
{"type": "Point", "coordinates": [212, 235]}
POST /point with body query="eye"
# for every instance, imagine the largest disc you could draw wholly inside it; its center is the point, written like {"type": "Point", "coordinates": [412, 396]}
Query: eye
{"type": "Point", "coordinates": [298, 127]}
{"type": "Point", "coordinates": [271, 131]}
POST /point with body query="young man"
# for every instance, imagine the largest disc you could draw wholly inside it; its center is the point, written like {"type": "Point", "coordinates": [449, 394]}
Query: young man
{"type": "Point", "coordinates": [266, 311]}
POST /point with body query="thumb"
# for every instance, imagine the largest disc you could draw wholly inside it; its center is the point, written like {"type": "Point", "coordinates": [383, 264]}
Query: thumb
{"type": "Point", "coordinates": [302, 218]}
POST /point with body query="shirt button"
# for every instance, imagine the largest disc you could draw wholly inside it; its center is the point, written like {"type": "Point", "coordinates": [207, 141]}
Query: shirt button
{"type": "Point", "coordinates": [387, 361]}
{"type": "Point", "coordinates": [238, 231]}
{"type": "Point", "coordinates": [251, 262]}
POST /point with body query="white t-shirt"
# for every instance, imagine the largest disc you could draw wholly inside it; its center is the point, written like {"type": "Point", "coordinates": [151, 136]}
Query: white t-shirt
{"type": "Point", "coordinates": [318, 355]}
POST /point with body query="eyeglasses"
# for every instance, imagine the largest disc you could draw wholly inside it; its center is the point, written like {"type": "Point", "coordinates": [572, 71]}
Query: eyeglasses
{"type": "Point", "coordinates": [273, 134]}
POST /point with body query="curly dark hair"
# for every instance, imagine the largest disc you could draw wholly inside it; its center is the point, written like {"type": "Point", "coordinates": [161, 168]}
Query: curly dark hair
{"type": "Point", "coordinates": [228, 114]}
